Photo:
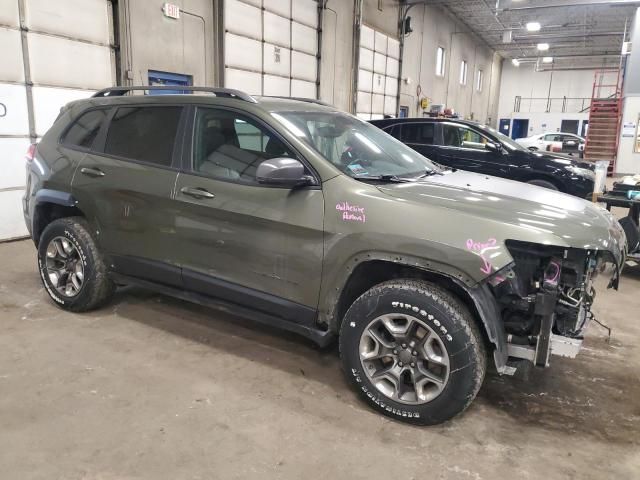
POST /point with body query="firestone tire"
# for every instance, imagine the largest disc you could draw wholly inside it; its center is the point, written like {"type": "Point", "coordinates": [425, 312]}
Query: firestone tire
{"type": "Point", "coordinates": [449, 324]}
{"type": "Point", "coordinates": [67, 246]}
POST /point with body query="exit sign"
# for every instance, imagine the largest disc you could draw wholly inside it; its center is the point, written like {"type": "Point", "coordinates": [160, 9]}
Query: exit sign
{"type": "Point", "coordinates": [171, 11]}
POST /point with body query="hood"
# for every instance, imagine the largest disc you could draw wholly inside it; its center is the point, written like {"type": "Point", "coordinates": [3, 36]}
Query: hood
{"type": "Point", "coordinates": [560, 160]}
{"type": "Point", "coordinates": [533, 214]}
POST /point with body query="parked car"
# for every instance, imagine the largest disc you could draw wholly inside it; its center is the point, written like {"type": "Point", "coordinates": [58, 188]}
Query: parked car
{"type": "Point", "coordinates": [478, 148]}
{"type": "Point", "coordinates": [307, 218]}
{"type": "Point", "coordinates": [553, 142]}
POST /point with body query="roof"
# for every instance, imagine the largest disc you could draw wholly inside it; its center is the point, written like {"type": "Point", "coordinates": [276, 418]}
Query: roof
{"type": "Point", "coordinates": [390, 121]}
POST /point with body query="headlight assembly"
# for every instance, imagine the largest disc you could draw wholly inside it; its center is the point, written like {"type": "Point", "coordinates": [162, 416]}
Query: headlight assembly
{"type": "Point", "coordinates": [582, 172]}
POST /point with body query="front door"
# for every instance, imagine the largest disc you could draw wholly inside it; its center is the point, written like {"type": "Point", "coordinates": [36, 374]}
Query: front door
{"type": "Point", "coordinates": [261, 246]}
{"type": "Point", "coordinates": [465, 148]}
{"type": "Point", "coordinates": [125, 184]}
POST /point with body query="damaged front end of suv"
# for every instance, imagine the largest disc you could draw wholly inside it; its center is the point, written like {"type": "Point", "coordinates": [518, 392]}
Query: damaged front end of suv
{"type": "Point", "coordinates": [545, 296]}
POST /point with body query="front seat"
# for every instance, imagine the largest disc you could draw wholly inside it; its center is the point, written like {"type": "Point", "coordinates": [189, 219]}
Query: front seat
{"type": "Point", "coordinates": [210, 164]}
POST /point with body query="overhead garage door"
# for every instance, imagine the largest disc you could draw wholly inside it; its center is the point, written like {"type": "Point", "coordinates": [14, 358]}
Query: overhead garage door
{"type": "Point", "coordinates": [271, 47]}
{"type": "Point", "coordinates": [68, 57]}
{"type": "Point", "coordinates": [378, 72]}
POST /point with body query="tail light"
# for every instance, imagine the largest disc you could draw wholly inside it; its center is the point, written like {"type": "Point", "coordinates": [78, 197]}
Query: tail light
{"type": "Point", "coordinates": [31, 153]}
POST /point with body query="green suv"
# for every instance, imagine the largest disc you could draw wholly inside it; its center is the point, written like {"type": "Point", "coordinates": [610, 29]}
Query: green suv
{"type": "Point", "coordinates": [300, 216]}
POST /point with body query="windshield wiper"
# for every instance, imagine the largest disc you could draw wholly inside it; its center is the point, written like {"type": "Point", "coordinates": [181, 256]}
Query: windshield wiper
{"type": "Point", "coordinates": [430, 173]}
{"type": "Point", "coordinates": [382, 178]}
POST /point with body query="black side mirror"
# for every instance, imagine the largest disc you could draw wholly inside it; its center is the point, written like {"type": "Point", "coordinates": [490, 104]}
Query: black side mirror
{"type": "Point", "coordinates": [282, 171]}
{"type": "Point", "coordinates": [493, 147]}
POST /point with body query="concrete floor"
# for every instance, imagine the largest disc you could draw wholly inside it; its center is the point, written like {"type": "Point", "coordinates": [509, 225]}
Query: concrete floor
{"type": "Point", "coordinates": [151, 387]}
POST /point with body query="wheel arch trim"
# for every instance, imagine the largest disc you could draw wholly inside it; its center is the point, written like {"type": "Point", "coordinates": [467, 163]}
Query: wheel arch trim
{"type": "Point", "coordinates": [57, 197]}
{"type": "Point", "coordinates": [478, 296]}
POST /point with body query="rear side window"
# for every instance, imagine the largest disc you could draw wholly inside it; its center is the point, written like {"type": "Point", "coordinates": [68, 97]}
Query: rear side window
{"type": "Point", "coordinates": [85, 129]}
{"type": "Point", "coordinates": [146, 134]}
{"type": "Point", "coordinates": [421, 133]}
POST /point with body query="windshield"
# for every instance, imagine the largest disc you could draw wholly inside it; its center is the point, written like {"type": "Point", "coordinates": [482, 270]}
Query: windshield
{"type": "Point", "coordinates": [354, 146]}
{"type": "Point", "coordinates": [506, 141]}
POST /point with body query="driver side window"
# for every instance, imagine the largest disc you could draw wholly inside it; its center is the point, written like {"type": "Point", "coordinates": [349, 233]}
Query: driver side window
{"type": "Point", "coordinates": [463, 137]}
{"type": "Point", "coordinates": [230, 146]}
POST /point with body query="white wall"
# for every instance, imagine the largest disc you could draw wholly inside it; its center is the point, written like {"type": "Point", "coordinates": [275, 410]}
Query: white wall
{"type": "Point", "coordinates": [525, 82]}
{"type": "Point", "coordinates": [433, 28]}
{"type": "Point", "coordinates": [628, 161]}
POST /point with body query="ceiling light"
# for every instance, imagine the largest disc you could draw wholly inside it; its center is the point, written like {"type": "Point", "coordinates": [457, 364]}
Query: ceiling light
{"type": "Point", "coordinates": [533, 26]}
{"type": "Point", "coordinates": [543, 47]}
{"type": "Point", "coordinates": [547, 59]}
{"type": "Point", "coordinates": [516, 62]}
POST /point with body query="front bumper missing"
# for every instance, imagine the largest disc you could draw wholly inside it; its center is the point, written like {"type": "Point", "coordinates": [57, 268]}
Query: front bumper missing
{"type": "Point", "coordinates": [546, 342]}
{"type": "Point", "coordinates": [559, 345]}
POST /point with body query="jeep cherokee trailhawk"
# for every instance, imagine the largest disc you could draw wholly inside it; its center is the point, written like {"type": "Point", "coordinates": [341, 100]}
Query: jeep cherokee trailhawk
{"type": "Point", "coordinates": [298, 215]}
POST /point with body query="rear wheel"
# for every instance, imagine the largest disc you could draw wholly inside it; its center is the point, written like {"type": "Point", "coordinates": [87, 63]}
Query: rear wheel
{"type": "Point", "coordinates": [71, 267]}
{"type": "Point", "coordinates": [412, 351]}
{"type": "Point", "coordinates": [543, 183]}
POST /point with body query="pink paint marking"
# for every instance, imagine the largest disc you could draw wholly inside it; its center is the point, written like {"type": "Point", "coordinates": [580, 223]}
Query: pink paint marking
{"type": "Point", "coordinates": [351, 213]}
{"type": "Point", "coordinates": [480, 248]}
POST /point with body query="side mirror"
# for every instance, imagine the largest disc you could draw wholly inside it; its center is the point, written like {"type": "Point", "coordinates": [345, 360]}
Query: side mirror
{"type": "Point", "coordinates": [282, 171]}
{"type": "Point", "coordinates": [493, 147]}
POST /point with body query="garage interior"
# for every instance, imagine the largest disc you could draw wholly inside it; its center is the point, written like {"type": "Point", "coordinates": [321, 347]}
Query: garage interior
{"type": "Point", "coordinates": [154, 387]}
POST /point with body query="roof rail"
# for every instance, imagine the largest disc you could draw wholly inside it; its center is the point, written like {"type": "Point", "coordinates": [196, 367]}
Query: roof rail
{"type": "Point", "coordinates": [218, 92]}
{"type": "Point", "coordinates": [301, 99]}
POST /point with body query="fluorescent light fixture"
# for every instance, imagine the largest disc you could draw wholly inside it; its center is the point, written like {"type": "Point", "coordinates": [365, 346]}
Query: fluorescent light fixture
{"type": "Point", "coordinates": [543, 47]}
{"type": "Point", "coordinates": [533, 26]}
{"type": "Point", "coordinates": [547, 59]}
{"type": "Point", "coordinates": [516, 62]}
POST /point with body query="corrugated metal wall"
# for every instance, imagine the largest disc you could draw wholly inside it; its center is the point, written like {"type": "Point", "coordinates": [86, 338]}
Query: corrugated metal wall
{"type": "Point", "coordinates": [271, 47]}
{"type": "Point", "coordinates": [53, 52]}
{"type": "Point", "coordinates": [378, 72]}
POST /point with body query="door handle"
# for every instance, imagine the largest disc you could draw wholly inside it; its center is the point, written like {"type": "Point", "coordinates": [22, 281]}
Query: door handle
{"type": "Point", "coordinates": [197, 192]}
{"type": "Point", "coordinates": [92, 172]}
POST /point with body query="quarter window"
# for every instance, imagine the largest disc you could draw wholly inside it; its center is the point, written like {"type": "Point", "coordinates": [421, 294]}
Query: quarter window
{"type": "Point", "coordinates": [146, 134]}
{"type": "Point", "coordinates": [85, 129]}
{"type": "Point", "coordinates": [418, 133]}
{"type": "Point", "coordinates": [230, 146]}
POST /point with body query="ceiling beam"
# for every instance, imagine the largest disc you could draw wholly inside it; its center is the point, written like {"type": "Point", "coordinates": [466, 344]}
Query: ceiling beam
{"type": "Point", "coordinates": [610, 3]}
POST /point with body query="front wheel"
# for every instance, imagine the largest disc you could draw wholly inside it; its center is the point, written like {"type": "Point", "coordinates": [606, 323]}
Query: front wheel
{"type": "Point", "coordinates": [412, 351]}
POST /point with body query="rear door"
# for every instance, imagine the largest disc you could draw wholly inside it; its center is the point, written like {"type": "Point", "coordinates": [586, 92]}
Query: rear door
{"type": "Point", "coordinates": [125, 183]}
{"type": "Point", "coordinates": [420, 136]}
{"type": "Point", "coordinates": [239, 240]}
{"type": "Point", "coordinates": [465, 148]}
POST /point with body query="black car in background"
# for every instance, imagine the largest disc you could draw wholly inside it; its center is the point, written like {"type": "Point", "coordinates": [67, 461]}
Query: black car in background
{"type": "Point", "coordinates": [471, 146]}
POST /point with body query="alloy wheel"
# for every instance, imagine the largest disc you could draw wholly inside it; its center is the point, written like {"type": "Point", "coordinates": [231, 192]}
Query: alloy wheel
{"type": "Point", "coordinates": [65, 269]}
{"type": "Point", "coordinates": [404, 358]}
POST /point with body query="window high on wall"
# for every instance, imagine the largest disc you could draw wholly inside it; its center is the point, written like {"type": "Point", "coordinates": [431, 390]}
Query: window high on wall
{"type": "Point", "coordinates": [463, 72]}
{"type": "Point", "coordinates": [440, 61]}
{"type": "Point", "coordinates": [479, 80]}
